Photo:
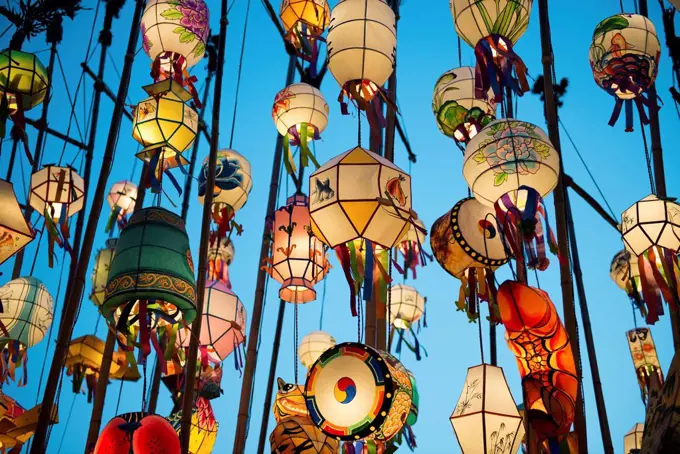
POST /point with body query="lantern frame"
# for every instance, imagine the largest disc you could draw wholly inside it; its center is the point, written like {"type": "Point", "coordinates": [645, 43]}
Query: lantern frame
{"type": "Point", "coordinates": [297, 104]}
{"type": "Point", "coordinates": [19, 318]}
{"type": "Point", "coordinates": [234, 186]}
{"type": "Point", "coordinates": [15, 231]}
{"type": "Point", "coordinates": [47, 191]}
{"type": "Point", "coordinates": [19, 68]}
{"type": "Point", "coordinates": [660, 226]}
{"type": "Point", "coordinates": [314, 14]}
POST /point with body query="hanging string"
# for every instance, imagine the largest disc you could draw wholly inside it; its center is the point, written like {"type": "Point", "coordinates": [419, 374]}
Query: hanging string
{"type": "Point", "coordinates": [238, 77]}
{"type": "Point", "coordinates": [621, 5]}
{"type": "Point", "coordinates": [120, 393]}
{"type": "Point", "coordinates": [479, 326]}
{"type": "Point", "coordinates": [648, 159]}
{"type": "Point", "coordinates": [295, 340]}
{"type": "Point", "coordinates": [460, 53]}
{"type": "Point", "coordinates": [359, 128]}
{"type": "Point", "coordinates": [323, 304]}
{"type": "Point", "coordinates": [68, 420]}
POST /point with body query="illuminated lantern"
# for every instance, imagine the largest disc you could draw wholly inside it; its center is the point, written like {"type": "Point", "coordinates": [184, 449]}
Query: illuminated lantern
{"type": "Point", "coordinates": [459, 113]}
{"type": "Point", "coordinates": [15, 232]}
{"type": "Point", "coordinates": [151, 278]}
{"type": "Point", "coordinates": [17, 424]}
{"type": "Point", "coordinates": [632, 441]}
{"type": "Point", "coordinates": [536, 336]}
{"type": "Point", "coordinates": [624, 57]}
{"type": "Point", "coordinates": [407, 306]}
{"type": "Point", "coordinates": [486, 418]}
{"type": "Point", "coordinates": [220, 255]}
{"type": "Point", "coordinates": [137, 433]}
{"type": "Point", "coordinates": [362, 43]}
{"type": "Point", "coordinates": [126, 371]}
{"type": "Point", "coordinates": [121, 199]}
{"type": "Point", "coordinates": [645, 359]}
{"type": "Point", "coordinates": [23, 85]}
{"type": "Point", "coordinates": [512, 165]}
{"type": "Point", "coordinates": [203, 427]}
{"type": "Point", "coordinates": [651, 232]}
{"type": "Point", "coordinates": [27, 312]}
{"type": "Point", "coordinates": [232, 183]}
{"type": "Point", "coordinates": [625, 273]}
{"type": "Point", "coordinates": [100, 273]}
{"type": "Point", "coordinates": [313, 345]}
{"type": "Point", "coordinates": [298, 434]}
{"type": "Point", "coordinates": [411, 248]}
{"type": "Point", "coordinates": [298, 258]}
{"type": "Point", "coordinates": [355, 392]}
{"type": "Point", "coordinates": [289, 402]}
{"type": "Point", "coordinates": [83, 360]}
{"type": "Point", "coordinates": [467, 243]}
{"type": "Point", "coordinates": [304, 22]}
{"type": "Point", "coordinates": [491, 28]}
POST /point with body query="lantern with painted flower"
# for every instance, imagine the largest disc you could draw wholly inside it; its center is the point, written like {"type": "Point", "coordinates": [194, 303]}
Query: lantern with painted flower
{"type": "Point", "coordinates": [23, 85]}
{"type": "Point", "coordinates": [624, 57]}
{"type": "Point", "coordinates": [645, 359]}
{"type": "Point", "coordinates": [651, 232]}
{"type": "Point", "coordinates": [492, 28]}
{"type": "Point", "coordinates": [304, 22]}
{"type": "Point", "coordinates": [232, 184]}
{"type": "Point", "coordinates": [313, 345]}
{"type": "Point", "coordinates": [83, 360]}
{"type": "Point", "coordinates": [15, 232]}
{"type": "Point", "coordinates": [121, 199]}
{"type": "Point", "coordinates": [457, 110]}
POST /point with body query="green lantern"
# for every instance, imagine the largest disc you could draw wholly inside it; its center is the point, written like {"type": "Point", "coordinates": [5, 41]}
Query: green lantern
{"type": "Point", "coordinates": [22, 75]}
{"type": "Point", "coordinates": [151, 276]}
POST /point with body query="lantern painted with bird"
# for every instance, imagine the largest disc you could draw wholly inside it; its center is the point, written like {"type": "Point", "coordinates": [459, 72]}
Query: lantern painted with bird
{"type": "Point", "coordinates": [298, 258]}
{"type": "Point", "coordinates": [15, 232]}
{"type": "Point", "coordinates": [651, 232]}
{"type": "Point", "coordinates": [624, 58]}
{"type": "Point", "coordinates": [203, 427]}
{"type": "Point", "coordinates": [83, 361]}
{"type": "Point", "coordinates": [314, 345]}
{"type": "Point", "coordinates": [121, 200]}
{"type": "Point", "coordinates": [27, 312]}
{"type": "Point", "coordinates": [232, 184]}
{"type": "Point", "coordinates": [411, 249]}
{"type": "Point", "coordinates": [23, 85]}
{"type": "Point", "coordinates": [100, 272]}
{"type": "Point", "coordinates": [459, 113]}
{"type": "Point", "coordinates": [492, 28]}
{"type": "Point", "coordinates": [486, 418]}
{"type": "Point", "coordinates": [645, 359]}
{"type": "Point", "coordinates": [137, 433]}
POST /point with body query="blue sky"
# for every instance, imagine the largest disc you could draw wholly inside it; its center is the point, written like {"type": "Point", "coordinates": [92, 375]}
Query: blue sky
{"type": "Point", "coordinates": [427, 47]}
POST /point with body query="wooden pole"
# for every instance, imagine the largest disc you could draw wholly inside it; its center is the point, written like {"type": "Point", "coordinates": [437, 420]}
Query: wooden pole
{"type": "Point", "coordinates": [561, 217]}
{"type": "Point", "coordinates": [256, 319]}
{"type": "Point", "coordinates": [76, 293]}
{"type": "Point", "coordinates": [188, 396]}
{"type": "Point", "coordinates": [270, 380]}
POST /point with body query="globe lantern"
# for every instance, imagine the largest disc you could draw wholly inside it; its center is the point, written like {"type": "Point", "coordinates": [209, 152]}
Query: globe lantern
{"type": "Point", "coordinates": [362, 42]}
{"type": "Point", "coordinates": [651, 231]}
{"type": "Point", "coordinates": [457, 110]}
{"type": "Point", "coordinates": [407, 306]}
{"type": "Point", "coordinates": [298, 434]}
{"type": "Point", "coordinates": [486, 418]}
{"type": "Point", "coordinates": [232, 183]}
{"type": "Point", "coordinates": [203, 427]}
{"type": "Point", "coordinates": [304, 21]}
{"type": "Point", "coordinates": [624, 57]}
{"type": "Point", "coordinates": [100, 273]}
{"type": "Point", "coordinates": [15, 232]}
{"type": "Point", "coordinates": [137, 433]}
{"type": "Point", "coordinates": [121, 200]}
{"type": "Point", "coordinates": [632, 441]}
{"type": "Point", "coordinates": [23, 85]}
{"type": "Point", "coordinates": [313, 345]}
{"type": "Point", "coordinates": [356, 392]}
{"type": "Point", "coordinates": [83, 361]}
{"type": "Point", "coordinates": [645, 359]}
{"type": "Point", "coordinates": [289, 402]}
{"type": "Point", "coordinates": [298, 258]}
{"type": "Point", "coordinates": [411, 248]}
{"type": "Point", "coordinates": [220, 255]}
{"type": "Point", "coordinates": [492, 28]}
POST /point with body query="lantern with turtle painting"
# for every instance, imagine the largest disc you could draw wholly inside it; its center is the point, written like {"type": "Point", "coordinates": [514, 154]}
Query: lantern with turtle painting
{"type": "Point", "coordinates": [15, 232]}
{"type": "Point", "coordinates": [121, 199]}
{"type": "Point", "coordinates": [645, 359]}
{"type": "Point", "coordinates": [624, 57]}
{"type": "Point", "coordinates": [137, 433]}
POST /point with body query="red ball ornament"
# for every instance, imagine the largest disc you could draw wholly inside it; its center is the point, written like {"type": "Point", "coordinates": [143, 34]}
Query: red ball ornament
{"type": "Point", "coordinates": [138, 433]}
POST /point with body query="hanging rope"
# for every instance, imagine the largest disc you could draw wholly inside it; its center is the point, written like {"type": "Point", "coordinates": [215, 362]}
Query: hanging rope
{"type": "Point", "coordinates": [68, 420]}
{"type": "Point", "coordinates": [238, 77]}
{"type": "Point", "coordinates": [648, 160]}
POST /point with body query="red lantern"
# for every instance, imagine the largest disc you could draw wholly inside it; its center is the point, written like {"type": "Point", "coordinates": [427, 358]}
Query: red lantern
{"type": "Point", "coordinates": [536, 335]}
{"type": "Point", "coordinates": [138, 433]}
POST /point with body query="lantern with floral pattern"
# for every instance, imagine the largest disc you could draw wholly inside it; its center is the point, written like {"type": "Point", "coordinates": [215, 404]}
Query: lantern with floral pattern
{"type": "Point", "coordinates": [232, 184]}
{"type": "Point", "coordinates": [645, 359]}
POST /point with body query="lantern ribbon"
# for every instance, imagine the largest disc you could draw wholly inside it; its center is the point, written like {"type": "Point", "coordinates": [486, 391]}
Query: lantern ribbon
{"type": "Point", "coordinates": [12, 107]}
{"type": "Point", "coordinates": [302, 139]}
{"type": "Point", "coordinates": [627, 85]}
{"type": "Point", "coordinates": [495, 63]}
{"type": "Point", "coordinates": [659, 277]}
{"type": "Point", "coordinates": [416, 347]}
{"type": "Point", "coordinates": [12, 355]}
{"type": "Point", "coordinates": [177, 73]}
{"type": "Point", "coordinates": [343, 257]}
{"type": "Point", "coordinates": [368, 271]}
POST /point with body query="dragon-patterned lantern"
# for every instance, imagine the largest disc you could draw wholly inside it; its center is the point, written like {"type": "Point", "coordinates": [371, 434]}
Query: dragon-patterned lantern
{"type": "Point", "coordinates": [645, 359]}
{"type": "Point", "coordinates": [121, 199]}
{"type": "Point", "coordinates": [137, 433]}
{"type": "Point", "coordinates": [313, 345]}
{"type": "Point", "coordinates": [15, 232]}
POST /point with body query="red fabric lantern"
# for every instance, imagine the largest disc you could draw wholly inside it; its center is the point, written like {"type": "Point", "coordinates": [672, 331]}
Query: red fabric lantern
{"type": "Point", "coordinates": [537, 337]}
{"type": "Point", "coordinates": [138, 433]}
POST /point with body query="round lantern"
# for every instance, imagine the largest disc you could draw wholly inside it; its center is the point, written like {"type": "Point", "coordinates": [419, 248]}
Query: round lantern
{"type": "Point", "coordinates": [625, 273]}
{"type": "Point", "coordinates": [299, 434]}
{"type": "Point", "coordinates": [100, 273]}
{"type": "Point", "coordinates": [203, 427]}
{"type": "Point", "coordinates": [362, 44]}
{"type": "Point", "coordinates": [632, 441]}
{"type": "Point", "coordinates": [406, 306]}
{"type": "Point", "coordinates": [121, 199]}
{"type": "Point", "coordinates": [300, 112]}
{"type": "Point", "coordinates": [84, 358]}
{"type": "Point", "coordinates": [23, 80]}
{"type": "Point", "coordinates": [360, 194]}
{"type": "Point", "coordinates": [313, 345]}
{"type": "Point", "coordinates": [486, 418]}
{"type": "Point", "coordinates": [224, 323]}
{"type": "Point", "coordinates": [304, 21]}
{"type": "Point", "coordinates": [57, 191]}
{"type": "Point", "coordinates": [220, 255]}
{"type": "Point", "coordinates": [232, 180]}
{"type": "Point", "coordinates": [298, 258]}
{"type": "Point", "coordinates": [137, 433]}
{"type": "Point", "coordinates": [15, 232]}
{"type": "Point", "coordinates": [459, 114]}
{"type": "Point", "coordinates": [624, 57]}
{"type": "Point", "coordinates": [289, 402]}
{"type": "Point", "coordinates": [355, 392]}
{"type": "Point", "coordinates": [176, 27]}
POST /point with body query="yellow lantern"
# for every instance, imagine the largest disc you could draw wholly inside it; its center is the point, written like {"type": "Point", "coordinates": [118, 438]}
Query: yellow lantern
{"type": "Point", "coordinates": [57, 192]}
{"type": "Point", "coordinates": [632, 441]}
{"type": "Point", "coordinates": [203, 427]}
{"type": "Point", "coordinates": [23, 85]}
{"type": "Point", "coordinates": [313, 345]}
{"type": "Point", "coordinates": [360, 194]}
{"type": "Point", "coordinates": [645, 359]}
{"type": "Point", "coordinates": [18, 424]}
{"type": "Point", "coordinates": [15, 232]}
{"type": "Point", "coordinates": [83, 360]}
{"type": "Point", "coordinates": [304, 22]}
{"type": "Point", "coordinates": [486, 418]}
{"type": "Point", "coordinates": [100, 273]}
{"type": "Point", "coordinates": [362, 43]}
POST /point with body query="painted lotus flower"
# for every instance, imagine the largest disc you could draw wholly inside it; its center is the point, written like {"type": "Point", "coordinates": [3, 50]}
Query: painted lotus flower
{"type": "Point", "coordinates": [146, 42]}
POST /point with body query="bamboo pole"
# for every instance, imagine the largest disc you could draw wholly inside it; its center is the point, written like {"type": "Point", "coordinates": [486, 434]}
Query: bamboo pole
{"type": "Point", "coordinates": [10, 169]}
{"type": "Point", "coordinates": [561, 218]}
{"type": "Point", "coordinates": [256, 319]}
{"type": "Point", "coordinates": [76, 293]}
{"type": "Point", "coordinates": [569, 182]}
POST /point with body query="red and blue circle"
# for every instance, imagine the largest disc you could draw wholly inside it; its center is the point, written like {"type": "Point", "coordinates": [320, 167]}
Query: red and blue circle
{"type": "Point", "coordinates": [345, 390]}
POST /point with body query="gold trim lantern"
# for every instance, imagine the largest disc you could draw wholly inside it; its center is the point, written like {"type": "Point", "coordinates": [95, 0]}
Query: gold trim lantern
{"type": "Point", "coordinates": [313, 345]}
{"type": "Point", "coordinates": [232, 184]}
{"type": "Point", "coordinates": [362, 43]}
{"type": "Point", "coordinates": [651, 231]}
{"type": "Point", "coordinates": [100, 273]}
{"type": "Point", "coordinates": [83, 360]}
{"type": "Point", "coordinates": [624, 57]}
{"type": "Point", "coordinates": [645, 359]}
{"type": "Point", "coordinates": [486, 418]}
{"type": "Point", "coordinates": [121, 199]}
{"type": "Point", "coordinates": [15, 232]}
{"type": "Point", "coordinates": [632, 441]}
{"type": "Point", "coordinates": [457, 110]}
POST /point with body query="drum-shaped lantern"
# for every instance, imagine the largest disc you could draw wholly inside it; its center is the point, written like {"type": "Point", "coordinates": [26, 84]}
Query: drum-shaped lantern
{"type": "Point", "coordinates": [23, 79]}
{"type": "Point", "coordinates": [57, 191]}
{"type": "Point", "coordinates": [137, 433]}
{"type": "Point", "coordinates": [300, 109]}
{"type": "Point", "coordinates": [15, 232]}
{"type": "Point", "coordinates": [232, 180]}
{"type": "Point", "coordinates": [314, 345]}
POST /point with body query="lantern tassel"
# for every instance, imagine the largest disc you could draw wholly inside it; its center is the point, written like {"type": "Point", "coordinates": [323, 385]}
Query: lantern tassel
{"type": "Point", "coordinates": [495, 63]}
{"type": "Point", "coordinates": [650, 289]}
{"type": "Point", "coordinates": [626, 84]}
{"type": "Point", "coordinates": [288, 160]}
{"type": "Point", "coordinates": [343, 257]}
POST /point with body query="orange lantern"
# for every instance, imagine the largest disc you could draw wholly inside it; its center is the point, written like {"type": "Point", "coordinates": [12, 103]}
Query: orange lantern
{"type": "Point", "coordinates": [538, 339]}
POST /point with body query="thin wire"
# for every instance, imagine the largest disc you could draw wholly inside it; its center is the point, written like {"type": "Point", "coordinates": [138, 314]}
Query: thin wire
{"type": "Point", "coordinates": [72, 101]}
{"type": "Point", "coordinates": [120, 393]}
{"type": "Point", "coordinates": [68, 420]}
{"type": "Point", "coordinates": [295, 340]}
{"type": "Point", "coordinates": [94, 22]}
{"type": "Point", "coordinates": [623, 10]}
{"type": "Point", "coordinates": [238, 77]}
{"type": "Point", "coordinates": [648, 158]}
{"type": "Point", "coordinates": [460, 53]}
{"type": "Point", "coordinates": [479, 326]}
{"type": "Point", "coordinates": [323, 304]}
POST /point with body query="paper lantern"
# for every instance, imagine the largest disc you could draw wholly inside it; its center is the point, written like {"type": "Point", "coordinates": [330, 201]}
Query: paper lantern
{"type": "Point", "coordinates": [17, 424]}
{"type": "Point", "coordinates": [15, 232]}
{"type": "Point", "coordinates": [289, 402]}
{"type": "Point", "coordinates": [459, 113]}
{"type": "Point", "coordinates": [360, 194]}
{"type": "Point", "coordinates": [625, 273]}
{"type": "Point", "coordinates": [23, 85]}
{"type": "Point", "coordinates": [151, 277]}
{"type": "Point", "coordinates": [632, 441]}
{"type": "Point", "coordinates": [304, 22]}
{"type": "Point", "coordinates": [176, 27]}
{"type": "Point", "coordinates": [220, 255]}
{"type": "Point", "coordinates": [297, 107]}
{"type": "Point", "coordinates": [57, 191]}
{"type": "Point", "coordinates": [624, 57]}
{"type": "Point", "coordinates": [297, 434]}
{"type": "Point", "coordinates": [137, 433]}
{"type": "Point", "coordinates": [313, 345]}
{"type": "Point", "coordinates": [298, 258]}
{"type": "Point", "coordinates": [100, 272]}
{"type": "Point", "coordinates": [362, 44]}
{"type": "Point", "coordinates": [645, 359]}
{"type": "Point", "coordinates": [203, 427]}
{"type": "Point", "coordinates": [224, 323]}
{"type": "Point", "coordinates": [486, 418]}
{"type": "Point", "coordinates": [537, 337]}
{"type": "Point", "coordinates": [232, 181]}
{"type": "Point", "coordinates": [121, 199]}
{"type": "Point", "coordinates": [83, 360]}
{"type": "Point", "coordinates": [411, 249]}
{"type": "Point", "coordinates": [406, 306]}
{"type": "Point", "coordinates": [651, 232]}
{"type": "Point", "coordinates": [491, 28]}
{"type": "Point", "coordinates": [355, 392]}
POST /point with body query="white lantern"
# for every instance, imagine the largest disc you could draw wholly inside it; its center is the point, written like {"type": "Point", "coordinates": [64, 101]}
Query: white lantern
{"type": "Point", "coordinates": [55, 189]}
{"type": "Point", "coordinates": [122, 195]}
{"type": "Point", "coordinates": [624, 267]}
{"type": "Point", "coordinates": [486, 418]}
{"type": "Point", "coordinates": [232, 180]}
{"type": "Point", "coordinates": [15, 232]}
{"type": "Point", "coordinates": [100, 273]}
{"type": "Point", "coordinates": [477, 19]}
{"type": "Point", "coordinates": [298, 105]}
{"type": "Point", "coordinates": [313, 345]}
{"type": "Point", "coordinates": [27, 311]}
{"type": "Point", "coordinates": [632, 441]}
{"type": "Point", "coordinates": [651, 222]}
{"type": "Point", "coordinates": [406, 306]}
